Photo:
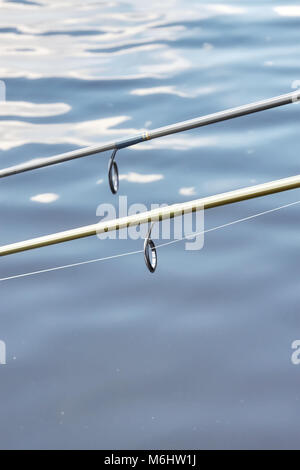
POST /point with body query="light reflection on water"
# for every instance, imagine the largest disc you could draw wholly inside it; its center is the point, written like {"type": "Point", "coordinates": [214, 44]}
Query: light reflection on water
{"type": "Point", "coordinates": [106, 355]}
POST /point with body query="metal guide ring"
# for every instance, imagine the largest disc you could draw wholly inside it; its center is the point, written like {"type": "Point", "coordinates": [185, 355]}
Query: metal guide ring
{"type": "Point", "coordinates": [150, 254]}
{"type": "Point", "coordinates": [113, 173]}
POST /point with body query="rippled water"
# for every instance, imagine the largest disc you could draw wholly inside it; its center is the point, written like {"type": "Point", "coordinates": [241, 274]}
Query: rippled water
{"type": "Point", "coordinates": [107, 355]}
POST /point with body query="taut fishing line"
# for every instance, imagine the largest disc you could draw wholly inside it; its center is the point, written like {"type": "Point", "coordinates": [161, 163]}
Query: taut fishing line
{"type": "Point", "coordinates": [191, 236]}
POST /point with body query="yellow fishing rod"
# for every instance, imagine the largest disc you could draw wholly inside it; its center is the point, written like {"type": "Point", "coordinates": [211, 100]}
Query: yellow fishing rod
{"type": "Point", "coordinates": [153, 216]}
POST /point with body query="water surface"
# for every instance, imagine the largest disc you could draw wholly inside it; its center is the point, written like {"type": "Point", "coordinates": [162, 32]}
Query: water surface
{"type": "Point", "coordinates": [107, 355]}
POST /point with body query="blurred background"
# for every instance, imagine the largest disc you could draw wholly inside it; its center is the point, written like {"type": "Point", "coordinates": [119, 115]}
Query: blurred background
{"type": "Point", "coordinates": [107, 355]}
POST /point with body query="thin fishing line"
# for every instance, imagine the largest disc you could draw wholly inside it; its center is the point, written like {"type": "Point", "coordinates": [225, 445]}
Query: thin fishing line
{"type": "Point", "coordinates": [193, 235]}
{"type": "Point", "coordinates": [57, 268]}
{"type": "Point", "coordinates": [73, 265]}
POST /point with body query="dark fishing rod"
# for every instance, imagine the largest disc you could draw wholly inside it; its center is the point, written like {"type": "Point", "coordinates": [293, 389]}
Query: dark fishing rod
{"type": "Point", "coordinates": [113, 174]}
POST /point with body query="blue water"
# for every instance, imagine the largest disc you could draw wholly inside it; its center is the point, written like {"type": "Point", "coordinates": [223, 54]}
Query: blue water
{"type": "Point", "coordinates": [108, 355]}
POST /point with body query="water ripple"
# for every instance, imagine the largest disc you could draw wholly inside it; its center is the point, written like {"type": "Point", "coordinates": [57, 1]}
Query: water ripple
{"type": "Point", "coordinates": [108, 356]}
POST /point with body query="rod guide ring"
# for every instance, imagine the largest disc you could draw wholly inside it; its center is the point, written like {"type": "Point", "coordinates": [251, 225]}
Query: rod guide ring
{"type": "Point", "coordinates": [150, 254]}
{"type": "Point", "coordinates": [113, 173]}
